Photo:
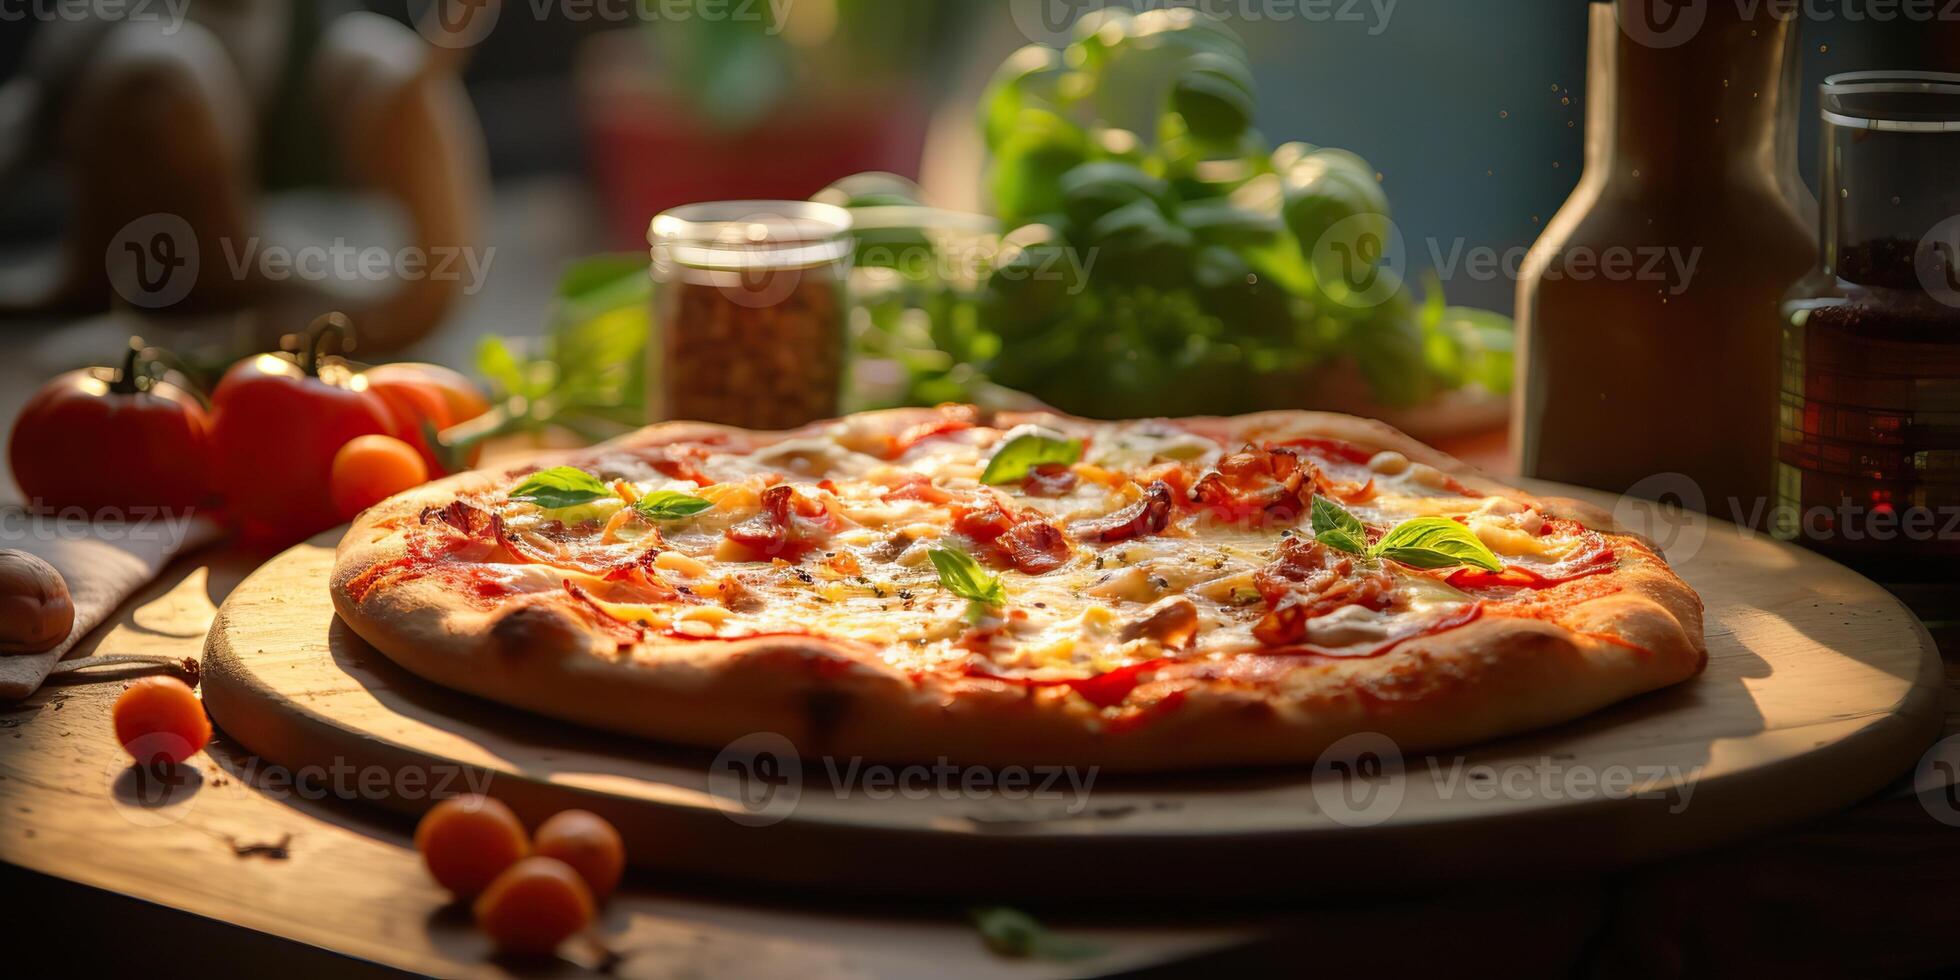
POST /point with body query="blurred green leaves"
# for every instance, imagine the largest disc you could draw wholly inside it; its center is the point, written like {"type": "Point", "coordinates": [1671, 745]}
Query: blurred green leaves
{"type": "Point", "coordinates": [1218, 273]}
{"type": "Point", "coordinates": [587, 373]}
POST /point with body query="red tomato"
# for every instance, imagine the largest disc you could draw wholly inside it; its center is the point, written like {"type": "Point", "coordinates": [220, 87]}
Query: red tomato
{"type": "Point", "coordinates": [278, 420]}
{"type": "Point", "coordinates": [106, 440]}
{"type": "Point", "coordinates": [418, 392]}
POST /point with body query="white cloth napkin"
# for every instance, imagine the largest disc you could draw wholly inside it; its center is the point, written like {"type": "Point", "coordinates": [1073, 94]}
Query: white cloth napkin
{"type": "Point", "coordinates": [104, 562]}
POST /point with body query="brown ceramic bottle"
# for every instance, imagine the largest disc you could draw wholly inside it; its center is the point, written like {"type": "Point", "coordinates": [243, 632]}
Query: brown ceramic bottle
{"type": "Point", "coordinates": [1647, 312]}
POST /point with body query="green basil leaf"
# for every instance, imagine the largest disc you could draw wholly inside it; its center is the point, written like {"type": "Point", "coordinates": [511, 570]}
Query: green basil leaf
{"type": "Point", "coordinates": [1012, 932]}
{"type": "Point", "coordinates": [963, 577]}
{"type": "Point", "coordinates": [1334, 527]}
{"type": "Point", "coordinates": [1435, 542]}
{"type": "Point", "coordinates": [1343, 541]}
{"type": "Point", "coordinates": [1015, 457]}
{"type": "Point", "coordinates": [670, 505]}
{"type": "Point", "coordinates": [560, 486]}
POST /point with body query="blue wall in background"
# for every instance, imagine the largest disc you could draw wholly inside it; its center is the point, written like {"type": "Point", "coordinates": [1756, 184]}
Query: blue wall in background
{"type": "Point", "coordinates": [1454, 102]}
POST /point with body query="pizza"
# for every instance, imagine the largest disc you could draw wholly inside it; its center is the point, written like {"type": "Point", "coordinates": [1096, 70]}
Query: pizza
{"type": "Point", "coordinates": [1020, 588]}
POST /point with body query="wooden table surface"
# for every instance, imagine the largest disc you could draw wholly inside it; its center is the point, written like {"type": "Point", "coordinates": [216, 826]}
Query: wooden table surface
{"type": "Point", "coordinates": [110, 883]}
{"type": "Point", "coordinates": [95, 855]}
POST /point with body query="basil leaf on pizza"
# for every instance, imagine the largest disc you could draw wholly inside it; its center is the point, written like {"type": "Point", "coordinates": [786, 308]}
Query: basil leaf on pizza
{"type": "Point", "coordinates": [991, 621]}
{"type": "Point", "coordinates": [559, 487]}
{"type": "Point", "coordinates": [1334, 527]}
{"type": "Point", "coordinates": [1018, 456]}
{"type": "Point", "coordinates": [1435, 542]}
{"type": "Point", "coordinates": [963, 577]}
{"type": "Point", "coordinates": [670, 505]}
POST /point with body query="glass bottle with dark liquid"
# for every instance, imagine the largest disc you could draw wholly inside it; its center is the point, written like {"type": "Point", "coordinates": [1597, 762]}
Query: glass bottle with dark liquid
{"type": "Point", "coordinates": [1647, 312]}
{"type": "Point", "coordinates": [1868, 464]}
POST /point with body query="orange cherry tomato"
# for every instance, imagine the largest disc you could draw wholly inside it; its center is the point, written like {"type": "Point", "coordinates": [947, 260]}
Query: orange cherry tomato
{"type": "Point", "coordinates": [432, 393]}
{"type": "Point", "coordinates": [533, 906]}
{"type": "Point", "coordinates": [588, 843]}
{"type": "Point", "coordinates": [468, 841]}
{"type": "Point", "coordinates": [159, 721]}
{"type": "Point", "coordinates": [278, 420]}
{"type": "Point", "coordinates": [370, 469]}
{"type": "Point", "coordinates": [107, 440]}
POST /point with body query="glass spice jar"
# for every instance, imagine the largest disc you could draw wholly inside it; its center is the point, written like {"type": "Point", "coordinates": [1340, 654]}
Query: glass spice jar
{"type": "Point", "coordinates": [749, 312]}
{"type": "Point", "coordinates": [1869, 462]}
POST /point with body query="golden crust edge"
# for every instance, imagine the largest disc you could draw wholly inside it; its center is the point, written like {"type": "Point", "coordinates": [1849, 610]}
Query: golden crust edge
{"type": "Point", "coordinates": [1505, 674]}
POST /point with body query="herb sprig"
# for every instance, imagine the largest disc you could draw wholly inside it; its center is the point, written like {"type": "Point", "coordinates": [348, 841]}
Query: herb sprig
{"type": "Point", "coordinates": [1420, 542]}
{"type": "Point", "coordinates": [963, 577]}
{"type": "Point", "coordinates": [560, 486]}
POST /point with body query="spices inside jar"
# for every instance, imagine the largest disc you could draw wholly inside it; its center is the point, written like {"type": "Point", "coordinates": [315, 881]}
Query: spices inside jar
{"type": "Point", "coordinates": [749, 312]}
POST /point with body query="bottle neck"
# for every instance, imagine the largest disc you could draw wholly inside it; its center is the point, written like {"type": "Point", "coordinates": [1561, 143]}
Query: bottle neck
{"type": "Point", "coordinates": [1674, 98]}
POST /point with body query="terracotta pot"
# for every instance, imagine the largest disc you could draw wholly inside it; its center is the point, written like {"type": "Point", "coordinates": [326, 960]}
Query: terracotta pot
{"type": "Point", "coordinates": [650, 151]}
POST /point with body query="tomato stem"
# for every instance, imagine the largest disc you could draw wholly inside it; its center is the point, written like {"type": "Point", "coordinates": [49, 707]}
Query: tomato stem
{"type": "Point", "coordinates": [125, 383]}
{"type": "Point", "coordinates": [334, 325]}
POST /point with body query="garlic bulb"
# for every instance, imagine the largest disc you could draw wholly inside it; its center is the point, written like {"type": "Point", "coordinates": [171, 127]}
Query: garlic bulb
{"type": "Point", "coordinates": [36, 611]}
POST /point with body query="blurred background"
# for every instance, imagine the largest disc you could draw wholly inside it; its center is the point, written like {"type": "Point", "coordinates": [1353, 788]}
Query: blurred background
{"type": "Point", "coordinates": [595, 115]}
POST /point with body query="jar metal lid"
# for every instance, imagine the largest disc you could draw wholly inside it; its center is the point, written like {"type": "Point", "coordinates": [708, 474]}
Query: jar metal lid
{"type": "Point", "coordinates": [751, 234]}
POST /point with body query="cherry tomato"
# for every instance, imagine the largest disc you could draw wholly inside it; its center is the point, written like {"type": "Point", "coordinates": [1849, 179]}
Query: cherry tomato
{"type": "Point", "coordinates": [278, 421]}
{"type": "Point", "coordinates": [588, 843]}
{"type": "Point", "coordinates": [107, 440]}
{"type": "Point", "coordinates": [432, 393]}
{"type": "Point", "coordinates": [533, 906]}
{"type": "Point", "coordinates": [370, 469]}
{"type": "Point", "coordinates": [468, 841]}
{"type": "Point", "coordinates": [159, 721]}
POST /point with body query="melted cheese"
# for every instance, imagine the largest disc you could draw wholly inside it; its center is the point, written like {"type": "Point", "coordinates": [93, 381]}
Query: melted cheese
{"type": "Point", "coordinates": [871, 580]}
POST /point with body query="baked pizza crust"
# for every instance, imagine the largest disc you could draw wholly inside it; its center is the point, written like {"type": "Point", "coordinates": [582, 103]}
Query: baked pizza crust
{"type": "Point", "coordinates": [1494, 676]}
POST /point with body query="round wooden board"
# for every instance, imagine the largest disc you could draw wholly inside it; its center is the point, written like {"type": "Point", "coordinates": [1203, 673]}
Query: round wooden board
{"type": "Point", "coordinates": [1820, 689]}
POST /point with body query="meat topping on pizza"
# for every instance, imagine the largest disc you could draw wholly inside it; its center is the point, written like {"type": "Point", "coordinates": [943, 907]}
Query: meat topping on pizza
{"type": "Point", "coordinates": [1071, 554]}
